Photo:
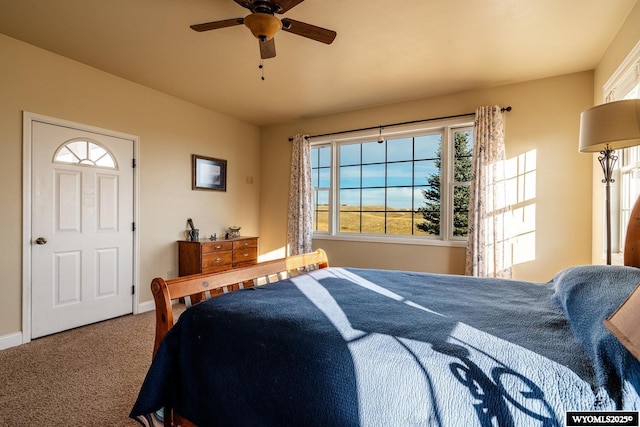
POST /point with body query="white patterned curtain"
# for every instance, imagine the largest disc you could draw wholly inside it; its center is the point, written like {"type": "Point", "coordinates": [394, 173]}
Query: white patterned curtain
{"type": "Point", "coordinates": [300, 213]}
{"type": "Point", "coordinates": [489, 245]}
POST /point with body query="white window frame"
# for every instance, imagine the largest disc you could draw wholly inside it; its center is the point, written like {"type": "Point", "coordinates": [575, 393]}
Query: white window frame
{"type": "Point", "coordinates": [449, 126]}
{"type": "Point", "coordinates": [624, 83]}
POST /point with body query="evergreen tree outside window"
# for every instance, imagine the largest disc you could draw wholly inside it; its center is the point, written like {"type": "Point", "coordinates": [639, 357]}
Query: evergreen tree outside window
{"type": "Point", "coordinates": [463, 150]}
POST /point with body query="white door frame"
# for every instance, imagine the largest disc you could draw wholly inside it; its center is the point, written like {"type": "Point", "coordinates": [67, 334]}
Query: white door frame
{"type": "Point", "coordinates": [27, 151]}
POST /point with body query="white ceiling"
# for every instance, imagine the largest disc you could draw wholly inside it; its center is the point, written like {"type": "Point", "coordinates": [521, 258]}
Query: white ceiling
{"type": "Point", "coordinates": [386, 51]}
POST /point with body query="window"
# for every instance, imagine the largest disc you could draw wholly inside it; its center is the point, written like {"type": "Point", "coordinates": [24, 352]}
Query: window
{"type": "Point", "coordinates": [415, 184]}
{"type": "Point", "coordinates": [83, 152]}
{"type": "Point", "coordinates": [321, 169]}
{"type": "Point", "coordinates": [625, 84]}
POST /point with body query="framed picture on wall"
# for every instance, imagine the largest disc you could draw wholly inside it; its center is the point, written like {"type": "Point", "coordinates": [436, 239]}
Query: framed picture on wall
{"type": "Point", "coordinates": [209, 173]}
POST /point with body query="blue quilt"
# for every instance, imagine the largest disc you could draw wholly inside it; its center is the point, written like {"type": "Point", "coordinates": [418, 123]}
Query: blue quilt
{"type": "Point", "coordinates": [357, 347]}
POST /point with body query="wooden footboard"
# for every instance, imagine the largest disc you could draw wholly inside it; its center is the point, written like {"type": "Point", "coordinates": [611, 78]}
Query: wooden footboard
{"type": "Point", "coordinates": [199, 287]}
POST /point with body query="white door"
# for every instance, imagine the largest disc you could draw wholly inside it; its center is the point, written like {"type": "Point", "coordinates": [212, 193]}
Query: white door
{"type": "Point", "coordinates": [81, 227]}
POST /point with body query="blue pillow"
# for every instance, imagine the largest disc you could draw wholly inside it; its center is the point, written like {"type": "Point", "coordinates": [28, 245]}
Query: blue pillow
{"type": "Point", "coordinates": [588, 295]}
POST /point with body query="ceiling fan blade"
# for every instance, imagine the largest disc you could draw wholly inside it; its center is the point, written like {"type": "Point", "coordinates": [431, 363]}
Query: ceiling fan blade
{"type": "Point", "coordinates": [286, 5]}
{"type": "Point", "coordinates": [206, 26]}
{"type": "Point", "coordinates": [309, 31]}
{"type": "Point", "coordinates": [267, 49]}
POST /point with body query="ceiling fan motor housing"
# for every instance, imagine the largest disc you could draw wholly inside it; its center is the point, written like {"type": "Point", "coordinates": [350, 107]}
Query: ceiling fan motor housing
{"type": "Point", "coordinates": [263, 25]}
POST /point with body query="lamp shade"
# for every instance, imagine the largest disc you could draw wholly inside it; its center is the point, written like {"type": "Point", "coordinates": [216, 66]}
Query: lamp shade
{"type": "Point", "coordinates": [614, 125]}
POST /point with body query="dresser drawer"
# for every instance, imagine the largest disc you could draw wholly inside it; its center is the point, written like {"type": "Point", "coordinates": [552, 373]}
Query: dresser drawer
{"type": "Point", "coordinates": [209, 247]}
{"type": "Point", "coordinates": [245, 255]}
{"type": "Point", "coordinates": [216, 259]}
{"type": "Point", "coordinates": [245, 243]}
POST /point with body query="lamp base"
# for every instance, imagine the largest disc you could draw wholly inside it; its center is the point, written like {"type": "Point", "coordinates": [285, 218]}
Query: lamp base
{"type": "Point", "coordinates": [607, 160]}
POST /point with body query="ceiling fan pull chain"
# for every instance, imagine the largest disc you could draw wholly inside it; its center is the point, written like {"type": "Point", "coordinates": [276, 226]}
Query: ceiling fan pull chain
{"type": "Point", "coordinates": [261, 67]}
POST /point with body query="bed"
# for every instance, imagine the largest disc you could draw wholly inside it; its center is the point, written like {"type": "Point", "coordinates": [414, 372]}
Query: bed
{"type": "Point", "coordinates": [301, 343]}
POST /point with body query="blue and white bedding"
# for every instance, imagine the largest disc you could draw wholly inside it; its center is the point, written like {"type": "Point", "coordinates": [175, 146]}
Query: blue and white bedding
{"type": "Point", "coordinates": [357, 347]}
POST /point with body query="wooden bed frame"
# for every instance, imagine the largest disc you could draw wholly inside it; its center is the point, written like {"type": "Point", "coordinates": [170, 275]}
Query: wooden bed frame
{"type": "Point", "coordinates": [198, 287]}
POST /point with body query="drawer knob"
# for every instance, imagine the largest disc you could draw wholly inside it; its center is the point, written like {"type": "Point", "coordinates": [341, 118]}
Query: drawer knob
{"type": "Point", "coordinates": [245, 254]}
{"type": "Point", "coordinates": [218, 246]}
{"type": "Point", "coordinates": [218, 259]}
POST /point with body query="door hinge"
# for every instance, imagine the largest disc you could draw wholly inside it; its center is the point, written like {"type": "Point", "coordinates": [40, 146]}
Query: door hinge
{"type": "Point", "coordinates": [133, 289]}
{"type": "Point", "coordinates": [133, 226]}
{"type": "Point", "coordinates": [133, 163]}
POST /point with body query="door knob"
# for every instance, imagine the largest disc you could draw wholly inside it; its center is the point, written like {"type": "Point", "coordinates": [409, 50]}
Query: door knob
{"type": "Point", "coordinates": [41, 241]}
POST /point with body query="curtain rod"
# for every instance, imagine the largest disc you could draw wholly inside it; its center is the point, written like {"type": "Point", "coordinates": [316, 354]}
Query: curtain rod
{"type": "Point", "coordinates": [503, 109]}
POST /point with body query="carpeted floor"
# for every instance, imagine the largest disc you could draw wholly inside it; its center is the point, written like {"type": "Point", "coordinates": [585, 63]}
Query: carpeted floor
{"type": "Point", "coordinates": [88, 376]}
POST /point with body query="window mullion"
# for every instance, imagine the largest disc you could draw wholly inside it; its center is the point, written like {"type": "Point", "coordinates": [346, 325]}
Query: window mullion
{"type": "Point", "coordinates": [334, 190]}
{"type": "Point", "coordinates": [360, 199]}
{"type": "Point", "coordinates": [446, 186]}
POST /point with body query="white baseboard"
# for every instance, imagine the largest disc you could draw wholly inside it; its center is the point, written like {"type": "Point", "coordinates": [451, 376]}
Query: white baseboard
{"type": "Point", "coordinates": [11, 340]}
{"type": "Point", "coordinates": [146, 306]}
{"type": "Point", "coordinates": [16, 339]}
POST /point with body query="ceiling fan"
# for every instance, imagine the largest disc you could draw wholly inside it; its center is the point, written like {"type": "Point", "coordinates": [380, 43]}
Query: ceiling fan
{"type": "Point", "coordinates": [264, 25]}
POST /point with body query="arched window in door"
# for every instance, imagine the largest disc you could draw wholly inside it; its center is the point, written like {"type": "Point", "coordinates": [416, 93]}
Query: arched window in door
{"type": "Point", "coordinates": [85, 152]}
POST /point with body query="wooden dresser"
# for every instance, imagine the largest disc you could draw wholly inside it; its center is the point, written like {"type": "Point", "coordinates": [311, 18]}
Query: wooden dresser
{"type": "Point", "coordinates": [207, 256]}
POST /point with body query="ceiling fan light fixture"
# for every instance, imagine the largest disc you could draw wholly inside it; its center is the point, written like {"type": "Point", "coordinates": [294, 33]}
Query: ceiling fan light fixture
{"type": "Point", "coordinates": [262, 25]}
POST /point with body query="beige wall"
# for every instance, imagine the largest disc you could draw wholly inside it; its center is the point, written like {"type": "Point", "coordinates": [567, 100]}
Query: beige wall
{"type": "Point", "coordinates": [170, 130]}
{"type": "Point", "coordinates": [622, 44]}
{"type": "Point", "coordinates": [545, 119]}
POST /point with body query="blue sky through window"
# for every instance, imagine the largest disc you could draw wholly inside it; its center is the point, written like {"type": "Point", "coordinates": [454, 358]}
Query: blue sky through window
{"type": "Point", "coordinates": [401, 165]}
